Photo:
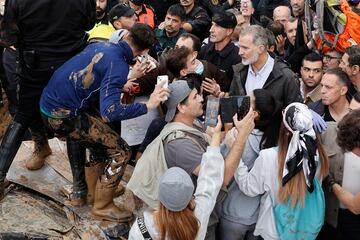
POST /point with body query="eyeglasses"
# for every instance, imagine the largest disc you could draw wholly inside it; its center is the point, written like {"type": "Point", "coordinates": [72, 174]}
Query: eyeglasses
{"type": "Point", "coordinates": [328, 57]}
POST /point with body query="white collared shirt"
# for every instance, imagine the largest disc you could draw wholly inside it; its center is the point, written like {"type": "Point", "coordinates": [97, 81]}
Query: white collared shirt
{"type": "Point", "coordinates": [257, 80]}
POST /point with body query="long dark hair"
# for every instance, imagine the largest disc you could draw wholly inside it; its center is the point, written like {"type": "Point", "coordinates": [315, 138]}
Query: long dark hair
{"type": "Point", "coordinates": [296, 188]}
{"type": "Point", "coordinates": [270, 117]}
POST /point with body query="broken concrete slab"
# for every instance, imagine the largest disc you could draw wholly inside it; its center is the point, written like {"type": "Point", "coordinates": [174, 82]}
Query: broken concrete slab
{"type": "Point", "coordinates": [47, 183]}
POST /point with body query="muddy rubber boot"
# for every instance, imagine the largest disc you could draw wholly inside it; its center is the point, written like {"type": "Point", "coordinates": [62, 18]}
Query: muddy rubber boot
{"type": "Point", "coordinates": [92, 174]}
{"type": "Point", "coordinates": [41, 151]}
{"type": "Point", "coordinates": [77, 157]}
{"type": "Point", "coordinates": [8, 149]}
{"type": "Point", "coordinates": [104, 207]}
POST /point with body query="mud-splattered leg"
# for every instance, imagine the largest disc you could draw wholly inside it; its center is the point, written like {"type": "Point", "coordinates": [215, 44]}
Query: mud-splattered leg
{"type": "Point", "coordinates": [96, 132]}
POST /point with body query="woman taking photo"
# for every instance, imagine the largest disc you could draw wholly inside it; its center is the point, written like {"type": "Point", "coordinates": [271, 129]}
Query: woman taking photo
{"type": "Point", "coordinates": [288, 176]}
{"type": "Point", "coordinates": [239, 212]}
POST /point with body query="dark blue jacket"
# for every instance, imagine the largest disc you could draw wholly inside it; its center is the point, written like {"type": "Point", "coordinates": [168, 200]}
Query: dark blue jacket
{"type": "Point", "coordinates": [94, 76]}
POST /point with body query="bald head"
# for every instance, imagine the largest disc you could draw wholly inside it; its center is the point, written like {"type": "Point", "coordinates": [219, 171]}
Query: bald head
{"type": "Point", "coordinates": [281, 14]}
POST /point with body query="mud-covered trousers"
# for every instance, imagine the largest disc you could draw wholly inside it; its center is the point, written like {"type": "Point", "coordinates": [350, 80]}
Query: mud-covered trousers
{"type": "Point", "coordinates": [91, 132]}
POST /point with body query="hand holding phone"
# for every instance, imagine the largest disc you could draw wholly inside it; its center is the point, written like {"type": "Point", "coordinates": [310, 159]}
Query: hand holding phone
{"type": "Point", "coordinates": [157, 96]}
{"type": "Point", "coordinates": [227, 107]}
{"type": "Point", "coordinates": [246, 124]}
{"type": "Point", "coordinates": [164, 81]}
{"type": "Point", "coordinates": [212, 111]}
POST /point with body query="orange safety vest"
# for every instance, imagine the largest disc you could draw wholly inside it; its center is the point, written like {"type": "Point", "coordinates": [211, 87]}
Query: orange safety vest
{"type": "Point", "coordinates": [147, 16]}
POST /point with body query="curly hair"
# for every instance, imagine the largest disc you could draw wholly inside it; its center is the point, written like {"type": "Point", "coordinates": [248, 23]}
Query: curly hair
{"type": "Point", "coordinates": [349, 131]}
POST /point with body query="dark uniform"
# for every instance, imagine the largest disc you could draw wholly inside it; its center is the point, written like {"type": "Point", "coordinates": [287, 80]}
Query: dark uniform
{"type": "Point", "coordinates": [46, 34]}
{"type": "Point", "coordinates": [200, 22]}
{"type": "Point", "coordinates": [11, 80]}
{"type": "Point", "coordinates": [223, 59]}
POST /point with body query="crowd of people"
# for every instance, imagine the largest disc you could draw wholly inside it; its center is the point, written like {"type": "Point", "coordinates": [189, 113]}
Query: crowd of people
{"type": "Point", "coordinates": [129, 80]}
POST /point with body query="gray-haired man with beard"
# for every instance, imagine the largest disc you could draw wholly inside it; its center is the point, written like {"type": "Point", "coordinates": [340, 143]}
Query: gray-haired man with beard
{"type": "Point", "coordinates": [259, 70]}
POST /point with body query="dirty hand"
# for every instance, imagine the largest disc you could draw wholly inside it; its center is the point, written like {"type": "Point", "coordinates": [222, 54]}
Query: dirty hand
{"type": "Point", "coordinates": [245, 125]}
{"type": "Point", "coordinates": [139, 69]}
{"type": "Point", "coordinates": [211, 86]}
{"type": "Point", "coordinates": [157, 96]}
{"type": "Point", "coordinates": [129, 84]}
{"type": "Point", "coordinates": [152, 63]}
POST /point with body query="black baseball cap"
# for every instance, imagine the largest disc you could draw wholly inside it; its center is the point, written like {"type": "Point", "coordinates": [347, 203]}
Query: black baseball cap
{"type": "Point", "coordinates": [225, 19]}
{"type": "Point", "coordinates": [120, 10]}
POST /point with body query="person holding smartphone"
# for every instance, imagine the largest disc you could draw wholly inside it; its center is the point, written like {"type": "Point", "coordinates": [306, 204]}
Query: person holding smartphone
{"type": "Point", "coordinates": [184, 105]}
{"type": "Point", "coordinates": [96, 77]}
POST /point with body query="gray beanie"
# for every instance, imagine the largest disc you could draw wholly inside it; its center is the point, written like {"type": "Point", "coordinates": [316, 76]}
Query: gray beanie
{"type": "Point", "coordinates": [176, 189]}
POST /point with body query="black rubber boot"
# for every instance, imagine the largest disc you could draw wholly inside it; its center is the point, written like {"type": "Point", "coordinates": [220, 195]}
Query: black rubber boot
{"type": "Point", "coordinates": [77, 156]}
{"type": "Point", "coordinates": [8, 149]}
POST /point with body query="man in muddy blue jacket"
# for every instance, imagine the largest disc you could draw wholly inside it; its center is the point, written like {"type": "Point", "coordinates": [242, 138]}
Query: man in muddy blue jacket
{"type": "Point", "coordinates": [45, 33]}
{"type": "Point", "coordinates": [93, 80]}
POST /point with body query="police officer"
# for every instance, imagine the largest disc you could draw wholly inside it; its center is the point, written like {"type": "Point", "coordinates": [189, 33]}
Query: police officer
{"type": "Point", "coordinates": [46, 34]}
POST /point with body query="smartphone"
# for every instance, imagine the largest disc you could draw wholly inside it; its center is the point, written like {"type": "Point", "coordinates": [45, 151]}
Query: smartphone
{"type": "Point", "coordinates": [212, 111]}
{"type": "Point", "coordinates": [243, 106]}
{"type": "Point", "coordinates": [162, 78]}
{"type": "Point", "coordinates": [229, 106]}
{"type": "Point", "coordinates": [143, 58]}
{"type": "Point", "coordinates": [227, 109]}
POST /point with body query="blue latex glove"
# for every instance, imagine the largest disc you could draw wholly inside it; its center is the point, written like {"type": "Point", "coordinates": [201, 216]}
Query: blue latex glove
{"type": "Point", "coordinates": [318, 122]}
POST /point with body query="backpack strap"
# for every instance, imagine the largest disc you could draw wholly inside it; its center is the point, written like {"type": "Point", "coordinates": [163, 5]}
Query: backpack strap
{"type": "Point", "coordinates": [177, 134]}
{"type": "Point", "coordinates": [141, 224]}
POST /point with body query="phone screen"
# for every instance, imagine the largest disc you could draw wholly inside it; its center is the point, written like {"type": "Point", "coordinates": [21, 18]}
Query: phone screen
{"type": "Point", "coordinates": [229, 106]}
{"type": "Point", "coordinates": [243, 106]}
{"type": "Point", "coordinates": [161, 78]}
{"type": "Point", "coordinates": [212, 111]}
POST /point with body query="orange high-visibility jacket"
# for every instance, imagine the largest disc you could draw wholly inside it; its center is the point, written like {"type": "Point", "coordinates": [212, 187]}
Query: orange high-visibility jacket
{"type": "Point", "coordinates": [147, 16]}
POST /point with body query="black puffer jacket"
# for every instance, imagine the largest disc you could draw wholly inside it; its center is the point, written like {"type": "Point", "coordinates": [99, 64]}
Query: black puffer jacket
{"type": "Point", "coordinates": [282, 83]}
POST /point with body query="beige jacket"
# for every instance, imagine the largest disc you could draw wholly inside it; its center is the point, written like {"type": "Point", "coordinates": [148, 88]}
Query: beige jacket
{"type": "Point", "coordinates": [151, 166]}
